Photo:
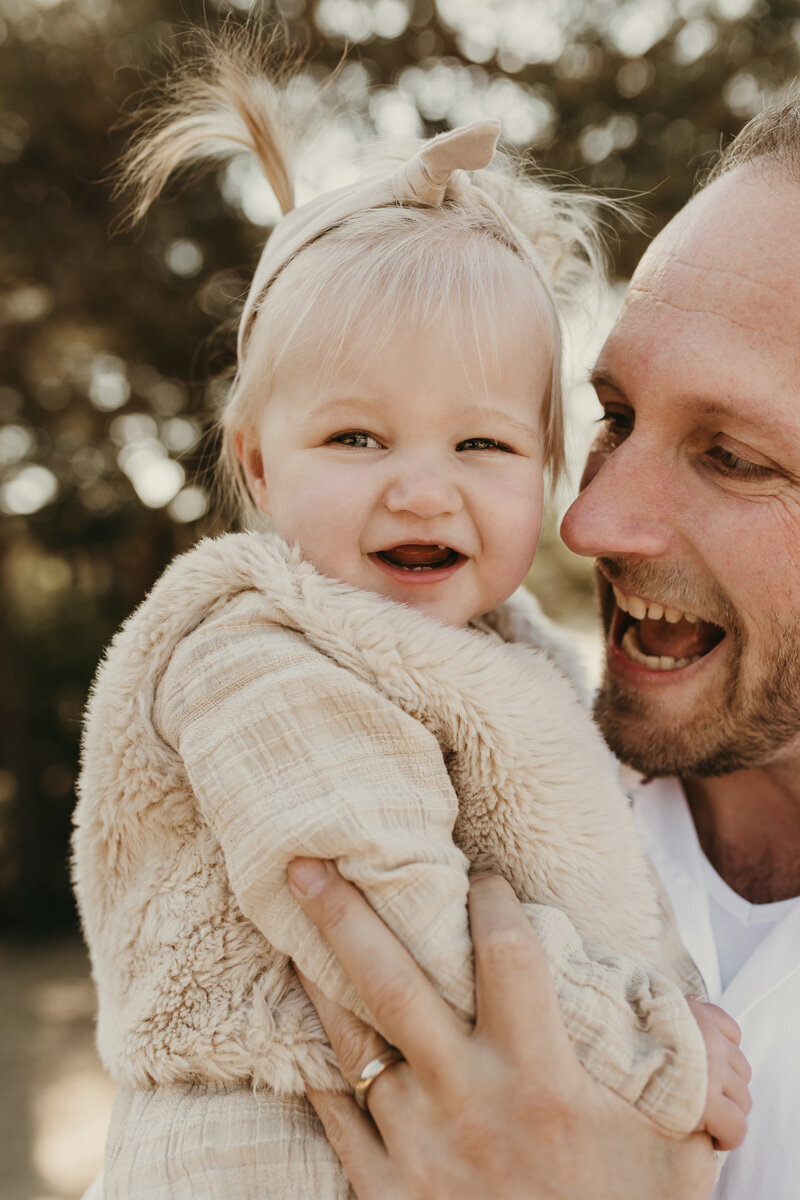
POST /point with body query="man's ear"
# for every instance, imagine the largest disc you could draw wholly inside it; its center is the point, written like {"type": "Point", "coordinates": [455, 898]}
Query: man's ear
{"type": "Point", "coordinates": [249, 454]}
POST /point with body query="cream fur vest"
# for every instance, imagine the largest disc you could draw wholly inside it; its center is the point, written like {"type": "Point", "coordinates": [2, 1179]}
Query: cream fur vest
{"type": "Point", "coordinates": [251, 710]}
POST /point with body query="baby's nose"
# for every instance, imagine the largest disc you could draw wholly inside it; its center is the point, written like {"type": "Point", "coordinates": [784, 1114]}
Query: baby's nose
{"type": "Point", "coordinates": [426, 491]}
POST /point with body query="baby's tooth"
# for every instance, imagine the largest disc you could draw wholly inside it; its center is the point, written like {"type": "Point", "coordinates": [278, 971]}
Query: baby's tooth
{"type": "Point", "coordinates": [668, 663]}
{"type": "Point", "coordinates": [672, 615]}
{"type": "Point", "coordinates": [655, 612]}
{"type": "Point", "coordinates": [653, 662]}
{"type": "Point", "coordinates": [637, 608]}
{"type": "Point", "coordinates": [691, 618]}
{"type": "Point", "coordinates": [620, 599]}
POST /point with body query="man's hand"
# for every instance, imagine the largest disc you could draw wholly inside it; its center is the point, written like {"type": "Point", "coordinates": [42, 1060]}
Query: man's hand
{"type": "Point", "coordinates": [504, 1110]}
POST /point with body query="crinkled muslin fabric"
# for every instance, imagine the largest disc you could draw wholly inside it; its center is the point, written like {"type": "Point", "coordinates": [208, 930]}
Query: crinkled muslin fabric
{"type": "Point", "coordinates": [253, 710]}
{"type": "Point", "coordinates": [190, 1142]}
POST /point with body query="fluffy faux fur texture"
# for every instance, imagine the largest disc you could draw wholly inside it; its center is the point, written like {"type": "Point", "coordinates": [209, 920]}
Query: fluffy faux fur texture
{"type": "Point", "coordinates": [188, 987]}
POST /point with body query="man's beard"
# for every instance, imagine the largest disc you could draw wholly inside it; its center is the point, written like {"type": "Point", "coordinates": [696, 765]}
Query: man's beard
{"type": "Point", "coordinates": [745, 723]}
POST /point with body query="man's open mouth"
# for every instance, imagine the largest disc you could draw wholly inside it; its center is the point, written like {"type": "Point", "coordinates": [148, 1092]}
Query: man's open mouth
{"type": "Point", "coordinates": [661, 638]}
{"type": "Point", "coordinates": [419, 558]}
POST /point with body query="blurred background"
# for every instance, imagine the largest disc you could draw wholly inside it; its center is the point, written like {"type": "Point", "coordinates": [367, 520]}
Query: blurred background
{"type": "Point", "coordinates": [114, 350]}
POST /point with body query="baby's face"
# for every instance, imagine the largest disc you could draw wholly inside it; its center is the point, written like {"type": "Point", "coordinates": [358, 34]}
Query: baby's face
{"type": "Point", "coordinates": [416, 473]}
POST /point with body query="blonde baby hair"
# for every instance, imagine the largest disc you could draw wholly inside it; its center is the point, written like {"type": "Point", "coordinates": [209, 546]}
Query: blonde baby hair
{"type": "Point", "coordinates": [456, 249]}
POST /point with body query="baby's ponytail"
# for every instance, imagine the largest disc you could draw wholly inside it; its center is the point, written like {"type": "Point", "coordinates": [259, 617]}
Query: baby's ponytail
{"type": "Point", "coordinates": [225, 99]}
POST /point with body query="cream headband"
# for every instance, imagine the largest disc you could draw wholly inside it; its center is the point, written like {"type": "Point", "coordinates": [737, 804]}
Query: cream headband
{"type": "Point", "coordinates": [435, 173]}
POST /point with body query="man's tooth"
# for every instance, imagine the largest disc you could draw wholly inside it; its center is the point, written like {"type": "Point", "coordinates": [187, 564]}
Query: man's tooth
{"type": "Point", "coordinates": [691, 618]}
{"type": "Point", "coordinates": [637, 608]}
{"type": "Point", "coordinates": [630, 647]}
{"type": "Point", "coordinates": [672, 615]}
{"type": "Point", "coordinates": [655, 612]}
{"type": "Point", "coordinates": [664, 662]}
{"type": "Point", "coordinates": [620, 599]}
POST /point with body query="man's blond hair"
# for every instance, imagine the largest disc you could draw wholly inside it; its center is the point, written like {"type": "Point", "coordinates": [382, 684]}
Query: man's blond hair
{"type": "Point", "coordinates": [771, 138]}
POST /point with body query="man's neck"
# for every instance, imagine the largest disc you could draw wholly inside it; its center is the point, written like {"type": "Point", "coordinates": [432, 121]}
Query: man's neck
{"type": "Point", "coordinates": [748, 824]}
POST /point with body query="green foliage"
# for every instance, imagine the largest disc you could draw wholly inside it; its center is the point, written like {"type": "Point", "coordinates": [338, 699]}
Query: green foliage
{"type": "Point", "coordinates": [110, 343]}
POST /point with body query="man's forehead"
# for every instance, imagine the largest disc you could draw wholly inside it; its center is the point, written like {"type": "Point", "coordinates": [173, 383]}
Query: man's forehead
{"type": "Point", "coordinates": [717, 291]}
{"type": "Point", "coordinates": [737, 243]}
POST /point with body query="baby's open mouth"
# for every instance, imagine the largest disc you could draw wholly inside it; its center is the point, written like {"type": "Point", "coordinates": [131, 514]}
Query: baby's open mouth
{"type": "Point", "coordinates": [663, 639]}
{"type": "Point", "coordinates": [414, 556]}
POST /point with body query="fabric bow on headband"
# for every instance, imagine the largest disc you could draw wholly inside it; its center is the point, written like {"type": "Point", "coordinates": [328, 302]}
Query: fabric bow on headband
{"type": "Point", "coordinates": [437, 171]}
{"type": "Point", "coordinates": [438, 167]}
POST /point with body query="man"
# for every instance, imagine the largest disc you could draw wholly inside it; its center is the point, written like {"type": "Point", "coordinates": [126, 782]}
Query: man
{"type": "Point", "coordinates": [690, 504]}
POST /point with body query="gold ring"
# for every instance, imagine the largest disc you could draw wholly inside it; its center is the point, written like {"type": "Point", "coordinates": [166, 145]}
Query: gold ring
{"type": "Point", "coordinates": [374, 1068]}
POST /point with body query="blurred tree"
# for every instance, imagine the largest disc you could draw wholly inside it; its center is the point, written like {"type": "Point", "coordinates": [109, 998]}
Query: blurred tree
{"type": "Point", "coordinates": [106, 406]}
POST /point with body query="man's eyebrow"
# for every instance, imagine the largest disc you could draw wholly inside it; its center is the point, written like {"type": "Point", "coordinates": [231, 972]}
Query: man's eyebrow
{"type": "Point", "coordinates": [697, 405]}
{"type": "Point", "coordinates": [598, 377]}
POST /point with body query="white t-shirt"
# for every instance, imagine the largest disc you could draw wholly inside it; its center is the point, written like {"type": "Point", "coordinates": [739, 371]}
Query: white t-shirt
{"type": "Point", "coordinates": [738, 926]}
{"type": "Point", "coordinates": [749, 957]}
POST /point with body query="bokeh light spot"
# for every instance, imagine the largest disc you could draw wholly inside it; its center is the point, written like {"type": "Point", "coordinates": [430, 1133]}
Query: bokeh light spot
{"type": "Point", "coordinates": [108, 383]}
{"type": "Point", "coordinates": [184, 257]}
{"type": "Point", "coordinates": [16, 442]}
{"type": "Point", "coordinates": [28, 491]}
{"type": "Point", "coordinates": [189, 505]}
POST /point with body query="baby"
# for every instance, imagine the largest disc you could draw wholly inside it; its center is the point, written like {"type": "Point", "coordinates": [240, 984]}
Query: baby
{"type": "Point", "coordinates": [365, 684]}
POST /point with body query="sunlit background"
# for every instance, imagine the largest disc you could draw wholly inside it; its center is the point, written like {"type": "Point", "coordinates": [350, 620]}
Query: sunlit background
{"type": "Point", "coordinates": [114, 349]}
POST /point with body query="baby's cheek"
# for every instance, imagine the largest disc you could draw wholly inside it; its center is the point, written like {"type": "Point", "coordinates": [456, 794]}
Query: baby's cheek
{"type": "Point", "coordinates": [518, 520]}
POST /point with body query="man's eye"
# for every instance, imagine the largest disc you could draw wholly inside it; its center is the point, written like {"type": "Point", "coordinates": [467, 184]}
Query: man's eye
{"type": "Point", "coordinates": [616, 424]}
{"type": "Point", "coordinates": [738, 468]}
{"type": "Point", "coordinates": [480, 443]}
{"type": "Point", "coordinates": [357, 438]}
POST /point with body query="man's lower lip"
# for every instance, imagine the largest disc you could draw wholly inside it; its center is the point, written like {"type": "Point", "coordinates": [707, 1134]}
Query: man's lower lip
{"type": "Point", "coordinates": [621, 664]}
{"type": "Point", "coordinates": [418, 578]}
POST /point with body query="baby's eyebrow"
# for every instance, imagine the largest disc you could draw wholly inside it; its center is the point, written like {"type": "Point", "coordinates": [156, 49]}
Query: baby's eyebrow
{"type": "Point", "coordinates": [490, 412]}
{"type": "Point", "coordinates": [339, 404]}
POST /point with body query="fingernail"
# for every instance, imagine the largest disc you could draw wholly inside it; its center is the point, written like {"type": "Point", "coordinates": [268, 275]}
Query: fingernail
{"type": "Point", "coordinates": [307, 876]}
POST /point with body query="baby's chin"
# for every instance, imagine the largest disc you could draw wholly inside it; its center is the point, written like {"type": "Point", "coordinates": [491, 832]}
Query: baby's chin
{"type": "Point", "coordinates": [456, 612]}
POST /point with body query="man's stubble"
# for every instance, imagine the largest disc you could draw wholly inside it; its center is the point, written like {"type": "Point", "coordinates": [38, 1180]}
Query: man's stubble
{"type": "Point", "coordinates": [745, 723]}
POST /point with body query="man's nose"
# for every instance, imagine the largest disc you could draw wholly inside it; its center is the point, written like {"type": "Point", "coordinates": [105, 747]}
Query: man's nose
{"type": "Point", "coordinates": [625, 506]}
{"type": "Point", "coordinates": [425, 489]}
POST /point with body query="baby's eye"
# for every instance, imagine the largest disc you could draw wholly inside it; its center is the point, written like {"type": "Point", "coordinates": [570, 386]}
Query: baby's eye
{"type": "Point", "coordinates": [357, 438]}
{"type": "Point", "coordinates": [482, 443]}
{"type": "Point", "coordinates": [736, 467]}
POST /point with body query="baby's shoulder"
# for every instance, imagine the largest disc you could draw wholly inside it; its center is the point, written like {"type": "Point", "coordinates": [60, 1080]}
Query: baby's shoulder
{"type": "Point", "coordinates": [241, 628]}
{"type": "Point", "coordinates": [204, 583]}
{"type": "Point", "coordinates": [213, 596]}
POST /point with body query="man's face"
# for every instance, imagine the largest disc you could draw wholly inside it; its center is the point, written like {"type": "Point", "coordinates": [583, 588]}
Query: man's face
{"type": "Point", "coordinates": [690, 500]}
